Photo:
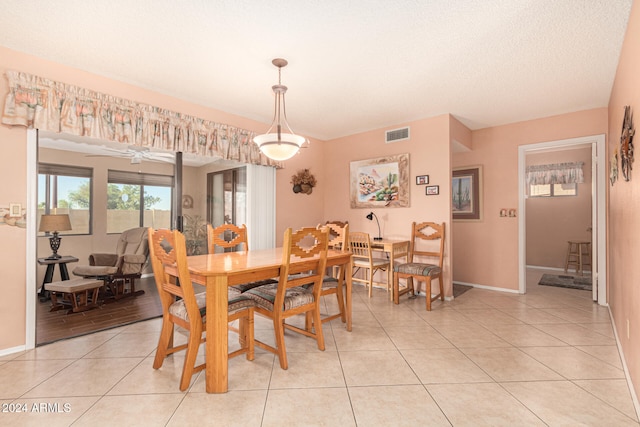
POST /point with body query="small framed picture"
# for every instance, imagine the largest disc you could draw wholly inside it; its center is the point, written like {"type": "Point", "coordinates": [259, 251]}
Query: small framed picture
{"type": "Point", "coordinates": [15, 210]}
{"type": "Point", "coordinates": [432, 190]}
{"type": "Point", "coordinates": [422, 179]}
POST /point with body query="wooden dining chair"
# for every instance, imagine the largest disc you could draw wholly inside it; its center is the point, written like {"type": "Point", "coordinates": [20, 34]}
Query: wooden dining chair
{"type": "Point", "coordinates": [422, 235]}
{"type": "Point", "coordinates": [230, 238]}
{"type": "Point", "coordinates": [360, 244]}
{"type": "Point", "coordinates": [181, 306]}
{"type": "Point", "coordinates": [298, 289]}
{"type": "Point", "coordinates": [333, 283]}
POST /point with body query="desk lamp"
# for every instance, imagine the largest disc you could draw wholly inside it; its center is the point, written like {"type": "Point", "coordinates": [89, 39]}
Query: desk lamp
{"type": "Point", "coordinates": [370, 218]}
{"type": "Point", "coordinates": [54, 224]}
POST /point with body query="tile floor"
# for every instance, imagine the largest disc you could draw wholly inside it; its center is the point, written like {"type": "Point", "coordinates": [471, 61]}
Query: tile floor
{"type": "Point", "coordinates": [487, 358]}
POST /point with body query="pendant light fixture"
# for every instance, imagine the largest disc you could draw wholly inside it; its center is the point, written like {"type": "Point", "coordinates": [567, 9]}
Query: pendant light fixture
{"type": "Point", "coordinates": [279, 142]}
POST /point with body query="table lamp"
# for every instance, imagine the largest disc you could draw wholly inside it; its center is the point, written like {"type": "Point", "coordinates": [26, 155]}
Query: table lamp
{"type": "Point", "coordinates": [370, 218]}
{"type": "Point", "coordinates": [54, 224]}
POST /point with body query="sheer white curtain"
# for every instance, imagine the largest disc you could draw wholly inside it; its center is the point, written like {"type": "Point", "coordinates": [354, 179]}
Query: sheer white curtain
{"type": "Point", "coordinates": [261, 206]}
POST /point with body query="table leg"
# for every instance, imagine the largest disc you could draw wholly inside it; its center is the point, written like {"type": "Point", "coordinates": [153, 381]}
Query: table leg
{"type": "Point", "coordinates": [216, 351]}
{"type": "Point", "coordinates": [64, 274]}
{"type": "Point", "coordinates": [348, 274]}
{"type": "Point", "coordinates": [390, 275]}
{"type": "Point", "coordinates": [48, 278]}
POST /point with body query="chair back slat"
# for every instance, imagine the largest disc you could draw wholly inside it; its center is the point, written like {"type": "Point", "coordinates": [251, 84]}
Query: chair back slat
{"type": "Point", "coordinates": [422, 233]}
{"type": "Point", "coordinates": [360, 244]}
{"type": "Point", "coordinates": [306, 243]}
{"type": "Point", "coordinates": [227, 236]}
{"type": "Point", "coordinates": [338, 235]}
{"type": "Point", "coordinates": [168, 248]}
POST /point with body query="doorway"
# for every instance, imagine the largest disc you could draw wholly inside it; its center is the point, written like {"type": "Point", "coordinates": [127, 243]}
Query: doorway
{"type": "Point", "coordinates": [597, 187]}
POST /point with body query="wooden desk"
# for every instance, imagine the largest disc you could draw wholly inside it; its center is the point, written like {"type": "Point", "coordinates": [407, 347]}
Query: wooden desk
{"type": "Point", "coordinates": [396, 249]}
{"type": "Point", "coordinates": [217, 272]}
{"type": "Point", "coordinates": [48, 275]}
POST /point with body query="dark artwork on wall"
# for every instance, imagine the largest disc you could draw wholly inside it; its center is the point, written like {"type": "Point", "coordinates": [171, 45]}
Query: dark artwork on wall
{"type": "Point", "coordinates": [626, 144]}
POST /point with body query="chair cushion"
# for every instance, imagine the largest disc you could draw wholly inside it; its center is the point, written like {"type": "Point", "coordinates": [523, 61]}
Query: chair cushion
{"type": "Point", "coordinates": [236, 302]}
{"type": "Point", "coordinates": [265, 296]}
{"type": "Point", "coordinates": [417, 269]}
{"type": "Point", "coordinates": [74, 285]}
{"type": "Point", "coordinates": [247, 286]}
{"type": "Point", "coordinates": [94, 270]}
{"type": "Point", "coordinates": [327, 283]}
{"type": "Point", "coordinates": [364, 262]}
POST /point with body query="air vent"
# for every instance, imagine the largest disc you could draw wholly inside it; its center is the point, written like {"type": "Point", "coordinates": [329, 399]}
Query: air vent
{"type": "Point", "coordinates": [396, 135]}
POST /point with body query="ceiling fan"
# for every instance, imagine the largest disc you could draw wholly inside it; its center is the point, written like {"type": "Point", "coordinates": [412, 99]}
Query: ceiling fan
{"type": "Point", "coordinates": [137, 154]}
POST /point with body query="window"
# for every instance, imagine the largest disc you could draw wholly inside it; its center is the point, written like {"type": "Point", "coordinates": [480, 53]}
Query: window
{"type": "Point", "coordinates": [66, 190]}
{"type": "Point", "coordinates": [138, 200]}
{"type": "Point", "coordinates": [553, 190]}
{"type": "Point", "coordinates": [554, 180]}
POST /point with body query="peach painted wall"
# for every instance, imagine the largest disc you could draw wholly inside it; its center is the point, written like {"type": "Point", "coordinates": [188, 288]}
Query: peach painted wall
{"type": "Point", "coordinates": [624, 206]}
{"type": "Point", "coordinates": [13, 248]}
{"type": "Point", "coordinates": [428, 151]}
{"type": "Point", "coordinates": [298, 210]}
{"type": "Point", "coordinates": [292, 210]}
{"type": "Point", "coordinates": [552, 221]}
{"type": "Point", "coordinates": [486, 252]}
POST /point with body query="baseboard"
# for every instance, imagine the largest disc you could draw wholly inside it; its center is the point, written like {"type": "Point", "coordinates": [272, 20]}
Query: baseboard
{"type": "Point", "coordinates": [12, 350]}
{"type": "Point", "coordinates": [423, 294]}
{"type": "Point", "coordinates": [489, 288]}
{"type": "Point", "coordinates": [542, 267]}
{"type": "Point", "coordinates": [634, 396]}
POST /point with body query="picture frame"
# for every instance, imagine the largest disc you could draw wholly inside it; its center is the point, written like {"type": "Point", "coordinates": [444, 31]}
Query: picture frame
{"type": "Point", "coordinates": [466, 193]}
{"type": "Point", "coordinates": [432, 190]}
{"type": "Point", "coordinates": [15, 210]}
{"type": "Point", "coordinates": [380, 182]}
{"type": "Point", "coordinates": [422, 179]}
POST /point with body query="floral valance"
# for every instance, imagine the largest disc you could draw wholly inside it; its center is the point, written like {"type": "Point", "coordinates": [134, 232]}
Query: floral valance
{"type": "Point", "coordinates": [36, 102]}
{"type": "Point", "coordinates": [559, 173]}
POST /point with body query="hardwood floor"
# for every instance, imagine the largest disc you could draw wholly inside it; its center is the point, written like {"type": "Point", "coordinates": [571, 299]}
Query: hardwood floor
{"type": "Point", "coordinates": [57, 325]}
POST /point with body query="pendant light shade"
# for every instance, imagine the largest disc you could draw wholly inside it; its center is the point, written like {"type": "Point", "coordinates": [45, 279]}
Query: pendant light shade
{"type": "Point", "coordinates": [279, 142]}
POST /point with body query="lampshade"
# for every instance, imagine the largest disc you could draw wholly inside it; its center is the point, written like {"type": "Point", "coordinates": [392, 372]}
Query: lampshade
{"type": "Point", "coordinates": [279, 142]}
{"type": "Point", "coordinates": [50, 223]}
{"type": "Point", "coordinates": [279, 149]}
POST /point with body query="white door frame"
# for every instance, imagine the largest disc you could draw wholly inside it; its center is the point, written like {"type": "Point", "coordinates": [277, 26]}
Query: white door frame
{"type": "Point", "coordinates": [32, 233]}
{"type": "Point", "coordinates": [599, 188]}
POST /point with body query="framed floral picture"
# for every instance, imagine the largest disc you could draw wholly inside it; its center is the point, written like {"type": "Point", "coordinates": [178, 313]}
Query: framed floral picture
{"type": "Point", "coordinates": [466, 193]}
{"type": "Point", "coordinates": [381, 182]}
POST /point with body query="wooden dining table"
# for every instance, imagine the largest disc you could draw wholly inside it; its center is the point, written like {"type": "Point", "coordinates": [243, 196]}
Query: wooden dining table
{"type": "Point", "coordinates": [221, 270]}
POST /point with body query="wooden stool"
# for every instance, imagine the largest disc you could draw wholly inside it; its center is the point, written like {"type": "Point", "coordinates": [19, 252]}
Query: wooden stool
{"type": "Point", "coordinates": [578, 255]}
{"type": "Point", "coordinates": [76, 294]}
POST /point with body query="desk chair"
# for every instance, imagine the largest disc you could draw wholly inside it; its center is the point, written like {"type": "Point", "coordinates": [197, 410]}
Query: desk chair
{"type": "Point", "coordinates": [360, 244]}
{"type": "Point", "coordinates": [421, 234]}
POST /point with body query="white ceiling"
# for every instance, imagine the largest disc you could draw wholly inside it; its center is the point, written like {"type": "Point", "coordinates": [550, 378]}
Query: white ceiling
{"type": "Point", "coordinates": [353, 65]}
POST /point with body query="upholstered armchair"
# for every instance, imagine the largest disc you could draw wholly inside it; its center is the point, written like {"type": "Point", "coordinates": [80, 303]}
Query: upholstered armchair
{"type": "Point", "coordinates": [121, 268]}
